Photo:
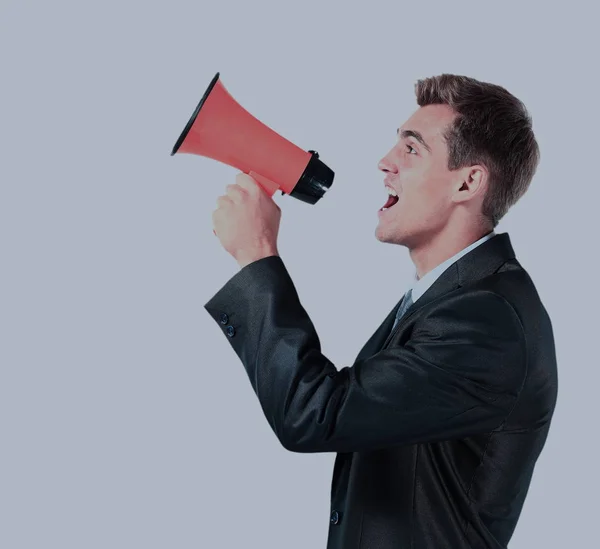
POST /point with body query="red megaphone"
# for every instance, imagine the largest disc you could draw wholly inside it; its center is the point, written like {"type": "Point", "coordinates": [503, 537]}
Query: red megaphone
{"type": "Point", "coordinates": [223, 130]}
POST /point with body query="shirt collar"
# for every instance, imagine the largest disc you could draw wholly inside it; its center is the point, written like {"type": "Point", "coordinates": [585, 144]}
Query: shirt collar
{"type": "Point", "coordinates": [422, 285]}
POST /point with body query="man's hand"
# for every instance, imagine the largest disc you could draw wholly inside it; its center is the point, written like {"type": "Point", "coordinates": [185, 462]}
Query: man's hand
{"type": "Point", "coordinates": [246, 221]}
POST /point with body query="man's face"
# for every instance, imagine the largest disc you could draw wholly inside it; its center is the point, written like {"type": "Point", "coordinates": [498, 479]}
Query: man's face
{"type": "Point", "coordinates": [418, 172]}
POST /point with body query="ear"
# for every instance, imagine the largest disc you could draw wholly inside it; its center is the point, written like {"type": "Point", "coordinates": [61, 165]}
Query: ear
{"type": "Point", "coordinates": [472, 182]}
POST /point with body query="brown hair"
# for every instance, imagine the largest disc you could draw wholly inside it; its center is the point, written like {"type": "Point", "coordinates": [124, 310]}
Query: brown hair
{"type": "Point", "coordinates": [493, 128]}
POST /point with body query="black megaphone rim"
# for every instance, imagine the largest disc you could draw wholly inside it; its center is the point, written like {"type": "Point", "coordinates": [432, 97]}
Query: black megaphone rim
{"type": "Point", "coordinates": [194, 115]}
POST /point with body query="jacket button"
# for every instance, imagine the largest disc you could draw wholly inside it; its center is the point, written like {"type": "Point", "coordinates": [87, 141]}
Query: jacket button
{"type": "Point", "coordinates": [230, 331]}
{"type": "Point", "coordinates": [335, 517]}
{"type": "Point", "coordinates": [224, 319]}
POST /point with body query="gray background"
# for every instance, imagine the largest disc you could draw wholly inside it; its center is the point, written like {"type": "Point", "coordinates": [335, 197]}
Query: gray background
{"type": "Point", "coordinates": [126, 418]}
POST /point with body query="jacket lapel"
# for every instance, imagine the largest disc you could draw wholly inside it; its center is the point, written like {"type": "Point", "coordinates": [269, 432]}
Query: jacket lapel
{"type": "Point", "coordinates": [375, 343]}
{"type": "Point", "coordinates": [482, 261]}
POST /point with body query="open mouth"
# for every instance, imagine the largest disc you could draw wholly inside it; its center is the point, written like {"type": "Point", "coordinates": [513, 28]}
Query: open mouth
{"type": "Point", "coordinates": [390, 202]}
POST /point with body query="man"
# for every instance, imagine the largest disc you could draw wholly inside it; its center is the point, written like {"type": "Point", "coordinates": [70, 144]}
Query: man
{"type": "Point", "coordinates": [439, 422]}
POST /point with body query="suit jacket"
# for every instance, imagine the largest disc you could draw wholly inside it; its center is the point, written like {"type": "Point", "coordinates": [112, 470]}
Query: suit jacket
{"type": "Point", "coordinates": [437, 425]}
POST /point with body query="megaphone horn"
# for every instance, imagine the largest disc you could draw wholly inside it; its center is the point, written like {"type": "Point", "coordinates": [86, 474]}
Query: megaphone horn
{"type": "Point", "coordinates": [221, 129]}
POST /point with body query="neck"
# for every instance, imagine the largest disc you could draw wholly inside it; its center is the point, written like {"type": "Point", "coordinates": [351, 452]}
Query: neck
{"type": "Point", "coordinates": [442, 246]}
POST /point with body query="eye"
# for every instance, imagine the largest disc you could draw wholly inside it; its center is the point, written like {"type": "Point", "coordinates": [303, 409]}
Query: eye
{"type": "Point", "coordinates": [411, 150]}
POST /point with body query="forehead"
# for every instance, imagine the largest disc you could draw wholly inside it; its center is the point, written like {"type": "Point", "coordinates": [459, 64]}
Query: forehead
{"type": "Point", "coordinates": [430, 121]}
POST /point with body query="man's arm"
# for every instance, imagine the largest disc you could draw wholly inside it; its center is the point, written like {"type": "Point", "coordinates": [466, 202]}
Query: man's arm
{"type": "Point", "coordinates": [459, 374]}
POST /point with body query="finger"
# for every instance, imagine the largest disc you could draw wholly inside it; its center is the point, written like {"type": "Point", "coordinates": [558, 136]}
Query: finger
{"type": "Point", "coordinates": [223, 201]}
{"type": "Point", "coordinates": [247, 182]}
{"type": "Point", "coordinates": [241, 178]}
{"type": "Point", "coordinates": [232, 188]}
{"type": "Point", "coordinates": [235, 192]}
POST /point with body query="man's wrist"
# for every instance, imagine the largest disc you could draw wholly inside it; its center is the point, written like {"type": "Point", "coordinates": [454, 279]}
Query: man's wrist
{"type": "Point", "coordinates": [244, 259]}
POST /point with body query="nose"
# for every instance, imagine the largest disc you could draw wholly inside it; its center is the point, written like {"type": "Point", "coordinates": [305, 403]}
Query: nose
{"type": "Point", "coordinates": [385, 165]}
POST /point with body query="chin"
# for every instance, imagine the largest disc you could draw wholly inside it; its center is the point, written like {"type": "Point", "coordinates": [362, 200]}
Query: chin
{"type": "Point", "coordinates": [389, 235]}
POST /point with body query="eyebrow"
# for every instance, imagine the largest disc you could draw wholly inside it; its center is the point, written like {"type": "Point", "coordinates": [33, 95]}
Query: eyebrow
{"type": "Point", "coordinates": [412, 133]}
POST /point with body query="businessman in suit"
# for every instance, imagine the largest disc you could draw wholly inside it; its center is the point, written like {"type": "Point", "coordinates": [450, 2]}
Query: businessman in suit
{"type": "Point", "coordinates": [438, 423]}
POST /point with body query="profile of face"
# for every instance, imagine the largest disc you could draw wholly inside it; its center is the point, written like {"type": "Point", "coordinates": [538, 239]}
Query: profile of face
{"type": "Point", "coordinates": [416, 168]}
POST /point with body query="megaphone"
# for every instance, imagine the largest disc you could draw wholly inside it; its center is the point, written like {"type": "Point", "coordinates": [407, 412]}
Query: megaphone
{"type": "Point", "coordinates": [221, 129]}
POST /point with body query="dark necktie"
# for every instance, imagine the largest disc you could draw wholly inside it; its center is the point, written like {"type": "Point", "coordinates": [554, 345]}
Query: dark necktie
{"type": "Point", "coordinates": [406, 303]}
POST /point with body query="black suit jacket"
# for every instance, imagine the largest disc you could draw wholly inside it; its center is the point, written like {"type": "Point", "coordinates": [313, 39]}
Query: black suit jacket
{"type": "Point", "coordinates": [437, 426]}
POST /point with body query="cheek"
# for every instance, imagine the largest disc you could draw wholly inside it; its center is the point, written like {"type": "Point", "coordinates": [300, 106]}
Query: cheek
{"type": "Point", "coordinates": [413, 178]}
{"type": "Point", "coordinates": [423, 192]}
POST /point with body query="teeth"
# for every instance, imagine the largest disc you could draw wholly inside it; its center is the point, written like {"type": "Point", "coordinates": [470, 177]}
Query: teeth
{"type": "Point", "coordinates": [391, 191]}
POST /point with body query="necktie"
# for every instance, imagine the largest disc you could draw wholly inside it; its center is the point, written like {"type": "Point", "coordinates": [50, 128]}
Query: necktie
{"type": "Point", "coordinates": [406, 303]}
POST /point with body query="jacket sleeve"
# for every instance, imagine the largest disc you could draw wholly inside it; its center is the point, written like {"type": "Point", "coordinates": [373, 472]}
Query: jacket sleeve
{"type": "Point", "coordinates": [459, 374]}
